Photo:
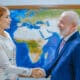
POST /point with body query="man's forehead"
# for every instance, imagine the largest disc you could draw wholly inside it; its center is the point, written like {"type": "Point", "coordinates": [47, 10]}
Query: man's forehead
{"type": "Point", "coordinates": [65, 16]}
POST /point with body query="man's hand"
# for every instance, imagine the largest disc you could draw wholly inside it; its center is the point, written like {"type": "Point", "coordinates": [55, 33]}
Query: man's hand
{"type": "Point", "coordinates": [37, 73]}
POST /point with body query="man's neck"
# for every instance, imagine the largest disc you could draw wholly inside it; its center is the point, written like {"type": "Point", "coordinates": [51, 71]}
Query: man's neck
{"type": "Point", "coordinates": [69, 35]}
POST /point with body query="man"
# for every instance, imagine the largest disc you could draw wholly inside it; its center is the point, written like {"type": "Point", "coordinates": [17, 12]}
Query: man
{"type": "Point", "coordinates": [66, 65]}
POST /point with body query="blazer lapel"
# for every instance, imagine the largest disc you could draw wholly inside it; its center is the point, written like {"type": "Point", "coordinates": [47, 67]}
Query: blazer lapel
{"type": "Point", "coordinates": [57, 50]}
{"type": "Point", "coordinates": [62, 51]}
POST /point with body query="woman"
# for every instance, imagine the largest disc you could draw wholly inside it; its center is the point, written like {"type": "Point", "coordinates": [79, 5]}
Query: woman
{"type": "Point", "coordinates": [7, 48]}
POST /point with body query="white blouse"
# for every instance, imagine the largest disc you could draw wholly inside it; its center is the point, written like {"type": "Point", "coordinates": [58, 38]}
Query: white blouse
{"type": "Point", "coordinates": [7, 59]}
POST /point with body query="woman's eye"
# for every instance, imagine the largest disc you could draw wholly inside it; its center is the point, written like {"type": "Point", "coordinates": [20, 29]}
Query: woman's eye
{"type": "Point", "coordinates": [7, 16]}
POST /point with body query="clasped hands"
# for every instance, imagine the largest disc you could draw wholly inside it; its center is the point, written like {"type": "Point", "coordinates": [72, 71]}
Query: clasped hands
{"type": "Point", "coordinates": [36, 73]}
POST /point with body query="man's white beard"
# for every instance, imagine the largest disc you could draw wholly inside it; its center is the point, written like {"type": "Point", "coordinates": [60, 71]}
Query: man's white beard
{"type": "Point", "coordinates": [64, 32]}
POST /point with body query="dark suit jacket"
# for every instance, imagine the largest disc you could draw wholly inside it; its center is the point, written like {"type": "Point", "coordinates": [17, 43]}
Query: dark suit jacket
{"type": "Point", "coordinates": [66, 66]}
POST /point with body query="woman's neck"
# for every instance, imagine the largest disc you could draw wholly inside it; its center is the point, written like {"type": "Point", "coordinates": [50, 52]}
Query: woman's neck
{"type": "Point", "coordinates": [2, 33]}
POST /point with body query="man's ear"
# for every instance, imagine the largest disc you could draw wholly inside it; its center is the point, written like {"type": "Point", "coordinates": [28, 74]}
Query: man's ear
{"type": "Point", "coordinates": [73, 25]}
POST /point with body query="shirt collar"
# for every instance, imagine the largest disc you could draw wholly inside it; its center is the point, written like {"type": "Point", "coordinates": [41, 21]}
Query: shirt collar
{"type": "Point", "coordinates": [67, 37]}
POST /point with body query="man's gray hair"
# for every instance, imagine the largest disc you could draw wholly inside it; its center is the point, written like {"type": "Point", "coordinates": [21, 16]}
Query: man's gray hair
{"type": "Point", "coordinates": [73, 16]}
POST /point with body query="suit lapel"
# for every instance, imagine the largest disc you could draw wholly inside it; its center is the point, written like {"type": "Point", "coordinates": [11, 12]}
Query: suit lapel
{"type": "Point", "coordinates": [57, 51]}
{"type": "Point", "coordinates": [62, 51]}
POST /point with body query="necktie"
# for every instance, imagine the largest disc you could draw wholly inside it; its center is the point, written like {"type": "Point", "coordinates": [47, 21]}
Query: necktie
{"type": "Point", "coordinates": [61, 45]}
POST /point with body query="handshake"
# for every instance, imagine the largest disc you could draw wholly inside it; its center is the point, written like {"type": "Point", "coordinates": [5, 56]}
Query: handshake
{"type": "Point", "coordinates": [36, 73]}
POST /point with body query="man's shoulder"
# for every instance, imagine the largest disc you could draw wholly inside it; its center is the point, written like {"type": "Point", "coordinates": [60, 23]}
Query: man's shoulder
{"type": "Point", "coordinates": [76, 42]}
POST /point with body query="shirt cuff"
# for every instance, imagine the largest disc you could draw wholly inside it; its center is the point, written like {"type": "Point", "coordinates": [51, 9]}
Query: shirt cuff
{"type": "Point", "coordinates": [27, 72]}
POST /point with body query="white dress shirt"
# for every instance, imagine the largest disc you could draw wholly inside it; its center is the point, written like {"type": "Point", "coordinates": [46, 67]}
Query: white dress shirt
{"type": "Point", "coordinates": [7, 59]}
